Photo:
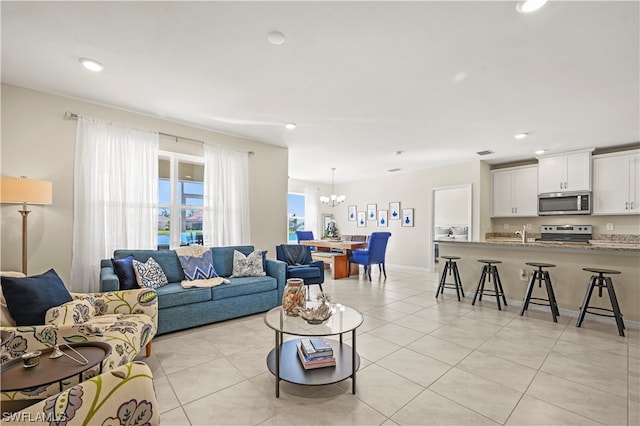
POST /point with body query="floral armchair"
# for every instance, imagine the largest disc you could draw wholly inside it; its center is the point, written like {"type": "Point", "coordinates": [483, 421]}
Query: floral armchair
{"type": "Point", "coordinates": [123, 396]}
{"type": "Point", "coordinates": [127, 320]}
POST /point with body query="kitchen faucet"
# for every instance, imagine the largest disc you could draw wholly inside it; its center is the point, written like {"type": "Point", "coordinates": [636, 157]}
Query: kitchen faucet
{"type": "Point", "coordinates": [523, 234]}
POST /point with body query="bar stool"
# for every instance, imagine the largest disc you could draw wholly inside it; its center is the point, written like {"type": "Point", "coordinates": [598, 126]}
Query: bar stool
{"type": "Point", "coordinates": [450, 267]}
{"type": "Point", "coordinates": [490, 270]}
{"type": "Point", "coordinates": [601, 281]}
{"type": "Point", "coordinates": [540, 275]}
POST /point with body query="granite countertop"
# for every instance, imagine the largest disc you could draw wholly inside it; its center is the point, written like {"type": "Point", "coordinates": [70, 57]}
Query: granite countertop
{"type": "Point", "coordinates": [624, 243]}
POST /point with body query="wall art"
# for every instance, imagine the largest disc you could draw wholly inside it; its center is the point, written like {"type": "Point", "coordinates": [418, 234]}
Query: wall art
{"type": "Point", "coordinates": [407, 217]}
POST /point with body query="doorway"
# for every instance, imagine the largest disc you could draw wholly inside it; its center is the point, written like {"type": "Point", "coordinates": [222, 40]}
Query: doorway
{"type": "Point", "coordinates": [451, 210]}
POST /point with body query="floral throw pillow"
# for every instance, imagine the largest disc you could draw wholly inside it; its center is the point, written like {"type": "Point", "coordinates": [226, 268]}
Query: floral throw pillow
{"type": "Point", "coordinates": [198, 267]}
{"type": "Point", "coordinates": [149, 274]}
{"type": "Point", "coordinates": [247, 266]}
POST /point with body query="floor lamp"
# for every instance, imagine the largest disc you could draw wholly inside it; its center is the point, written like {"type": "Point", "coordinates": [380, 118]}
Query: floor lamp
{"type": "Point", "coordinates": [25, 191]}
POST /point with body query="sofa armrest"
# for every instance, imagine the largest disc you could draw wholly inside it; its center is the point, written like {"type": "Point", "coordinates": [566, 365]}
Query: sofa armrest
{"type": "Point", "coordinates": [120, 396]}
{"type": "Point", "coordinates": [278, 270]}
{"type": "Point", "coordinates": [108, 279]}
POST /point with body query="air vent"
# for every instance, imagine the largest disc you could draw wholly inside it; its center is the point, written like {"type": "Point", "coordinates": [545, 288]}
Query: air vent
{"type": "Point", "coordinates": [487, 152]}
{"type": "Point", "coordinates": [394, 170]}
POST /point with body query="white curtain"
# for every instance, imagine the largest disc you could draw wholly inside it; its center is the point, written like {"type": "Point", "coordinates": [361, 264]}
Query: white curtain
{"type": "Point", "coordinates": [226, 196]}
{"type": "Point", "coordinates": [115, 196]}
{"type": "Point", "coordinates": [312, 211]}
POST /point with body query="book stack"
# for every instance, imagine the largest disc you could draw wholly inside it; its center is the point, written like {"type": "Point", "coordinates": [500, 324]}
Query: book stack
{"type": "Point", "coordinates": [315, 353]}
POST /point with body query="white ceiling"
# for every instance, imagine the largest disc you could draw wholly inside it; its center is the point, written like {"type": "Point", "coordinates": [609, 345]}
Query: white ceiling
{"type": "Point", "coordinates": [437, 80]}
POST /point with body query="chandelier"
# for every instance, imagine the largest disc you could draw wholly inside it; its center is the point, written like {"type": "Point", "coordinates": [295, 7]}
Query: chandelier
{"type": "Point", "coordinates": [334, 199]}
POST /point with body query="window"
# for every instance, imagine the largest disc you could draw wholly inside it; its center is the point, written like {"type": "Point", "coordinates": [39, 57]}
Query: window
{"type": "Point", "coordinates": [180, 194]}
{"type": "Point", "coordinates": [295, 215]}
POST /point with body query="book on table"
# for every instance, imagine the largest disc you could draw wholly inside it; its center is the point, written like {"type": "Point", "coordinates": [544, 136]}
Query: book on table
{"type": "Point", "coordinates": [316, 348]}
{"type": "Point", "coordinates": [310, 363]}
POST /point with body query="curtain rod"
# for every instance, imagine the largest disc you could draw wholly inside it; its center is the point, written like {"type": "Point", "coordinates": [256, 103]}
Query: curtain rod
{"type": "Point", "coordinates": [68, 115]}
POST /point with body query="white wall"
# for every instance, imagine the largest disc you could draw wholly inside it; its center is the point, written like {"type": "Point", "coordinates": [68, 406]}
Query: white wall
{"type": "Point", "coordinates": [410, 246]}
{"type": "Point", "coordinates": [39, 143]}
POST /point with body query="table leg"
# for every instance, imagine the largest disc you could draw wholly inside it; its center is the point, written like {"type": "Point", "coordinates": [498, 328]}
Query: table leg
{"type": "Point", "coordinates": [353, 361]}
{"type": "Point", "coordinates": [278, 348]}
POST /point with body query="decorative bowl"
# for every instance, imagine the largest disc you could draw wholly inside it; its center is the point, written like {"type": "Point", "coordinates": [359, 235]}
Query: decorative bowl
{"type": "Point", "coordinates": [316, 315]}
{"type": "Point", "coordinates": [31, 359]}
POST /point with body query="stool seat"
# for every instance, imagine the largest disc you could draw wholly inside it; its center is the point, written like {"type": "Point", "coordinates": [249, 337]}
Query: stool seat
{"type": "Point", "coordinates": [601, 271]}
{"type": "Point", "coordinates": [540, 265]}
{"type": "Point", "coordinates": [601, 282]}
{"type": "Point", "coordinates": [541, 275]}
{"type": "Point", "coordinates": [489, 272]}
{"type": "Point", "coordinates": [450, 268]}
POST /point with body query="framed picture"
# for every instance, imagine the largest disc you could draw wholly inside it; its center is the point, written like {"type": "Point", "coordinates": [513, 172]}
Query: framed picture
{"type": "Point", "coordinates": [352, 212]}
{"type": "Point", "coordinates": [394, 210]}
{"type": "Point", "coordinates": [383, 218]}
{"type": "Point", "coordinates": [407, 217]}
{"type": "Point", "coordinates": [371, 211]}
{"type": "Point", "coordinates": [362, 219]}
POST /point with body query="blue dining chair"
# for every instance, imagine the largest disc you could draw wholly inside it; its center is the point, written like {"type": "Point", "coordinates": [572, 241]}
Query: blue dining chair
{"type": "Point", "coordinates": [374, 254]}
{"type": "Point", "coordinates": [305, 235]}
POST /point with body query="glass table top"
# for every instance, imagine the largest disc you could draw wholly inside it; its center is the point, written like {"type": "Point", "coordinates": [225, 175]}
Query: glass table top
{"type": "Point", "coordinates": [344, 319]}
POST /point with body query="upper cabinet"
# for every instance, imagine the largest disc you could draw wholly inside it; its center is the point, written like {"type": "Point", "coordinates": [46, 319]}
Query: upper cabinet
{"type": "Point", "coordinates": [567, 172]}
{"type": "Point", "coordinates": [616, 185]}
{"type": "Point", "coordinates": [515, 191]}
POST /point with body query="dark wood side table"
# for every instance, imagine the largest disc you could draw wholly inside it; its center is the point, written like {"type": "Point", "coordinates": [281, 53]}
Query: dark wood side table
{"type": "Point", "coordinates": [14, 377]}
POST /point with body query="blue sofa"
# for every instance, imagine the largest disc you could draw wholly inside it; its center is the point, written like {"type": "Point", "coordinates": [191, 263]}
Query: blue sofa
{"type": "Point", "coordinates": [180, 308]}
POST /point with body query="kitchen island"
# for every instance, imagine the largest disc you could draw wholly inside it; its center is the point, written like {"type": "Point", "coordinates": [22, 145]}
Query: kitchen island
{"type": "Point", "coordinates": [569, 280]}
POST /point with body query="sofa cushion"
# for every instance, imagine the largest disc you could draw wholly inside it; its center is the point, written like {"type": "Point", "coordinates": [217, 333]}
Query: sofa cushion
{"type": "Point", "coordinates": [149, 274]}
{"type": "Point", "coordinates": [126, 275]}
{"type": "Point", "coordinates": [167, 259]}
{"type": "Point", "coordinates": [173, 294]}
{"type": "Point", "coordinates": [248, 265]}
{"type": "Point", "coordinates": [223, 258]}
{"type": "Point", "coordinates": [243, 286]}
{"type": "Point", "coordinates": [29, 298]}
{"type": "Point", "coordinates": [198, 267]}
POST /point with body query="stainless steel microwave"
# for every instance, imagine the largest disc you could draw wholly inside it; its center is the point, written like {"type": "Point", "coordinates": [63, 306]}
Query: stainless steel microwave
{"type": "Point", "coordinates": [559, 203]}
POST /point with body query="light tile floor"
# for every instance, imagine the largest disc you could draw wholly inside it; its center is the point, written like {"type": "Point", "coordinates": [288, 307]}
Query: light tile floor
{"type": "Point", "coordinates": [425, 361]}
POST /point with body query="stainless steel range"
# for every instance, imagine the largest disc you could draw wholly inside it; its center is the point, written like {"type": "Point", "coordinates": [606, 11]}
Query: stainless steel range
{"type": "Point", "coordinates": [576, 234]}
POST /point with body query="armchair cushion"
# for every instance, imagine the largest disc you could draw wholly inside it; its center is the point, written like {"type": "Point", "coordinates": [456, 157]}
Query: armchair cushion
{"type": "Point", "coordinates": [75, 312]}
{"type": "Point", "coordinates": [29, 298]}
{"type": "Point", "coordinates": [124, 396]}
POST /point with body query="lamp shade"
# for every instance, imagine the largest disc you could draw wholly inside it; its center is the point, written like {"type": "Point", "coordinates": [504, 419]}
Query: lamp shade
{"type": "Point", "coordinates": [23, 190]}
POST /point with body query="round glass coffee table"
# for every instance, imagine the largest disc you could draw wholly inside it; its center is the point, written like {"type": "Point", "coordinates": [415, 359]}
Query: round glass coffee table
{"type": "Point", "coordinates": [283, 360]}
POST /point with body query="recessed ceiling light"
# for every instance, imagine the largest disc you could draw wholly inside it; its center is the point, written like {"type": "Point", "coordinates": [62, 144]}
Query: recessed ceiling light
{"type": "Point", "coordinates": [394, 170]}
{"type": "Point", "coordinates": [276, 37]}
{"type": "Point", "coordinates": [91, 65]}
{"type": "Point", "coordinates": [485, 152]}
{"type": "Point", "coordinates": [540, 152]}
{"type": "Point", "coordinates": [530, 6]}
{"type": "Point", "coordinates": [291, 126]}
{"type": "Point", "coordinates": [520, 135]}
{"type": "Point", "coordinates": [398, 152]}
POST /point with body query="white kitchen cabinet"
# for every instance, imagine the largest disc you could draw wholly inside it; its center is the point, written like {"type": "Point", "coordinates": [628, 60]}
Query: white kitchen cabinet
{"type": "Point", "coordinates": [616, 185]}
{"type": "Point", "coordinates": [566, 172]}
{"type": "Point", "coordinates": [515, 191]}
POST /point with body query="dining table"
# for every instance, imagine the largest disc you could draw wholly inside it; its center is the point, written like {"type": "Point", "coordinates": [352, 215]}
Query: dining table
{"type": "Point", "coordinates": [337, 260]}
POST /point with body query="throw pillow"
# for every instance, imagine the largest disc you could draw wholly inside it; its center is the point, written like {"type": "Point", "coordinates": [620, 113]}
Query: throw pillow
{"type": "Point", "coordinates": [29, 298]}
{"type": "Point", "coordinates": [149, 274]}
{"type": "Point", "coordinates": [198, 267]}
{"type": "Point", "coordinates": [75, 312]}
{"type": "Point", "coordinates": [247, 266]}
{"type": "Point", "coordinates": [126, 274]}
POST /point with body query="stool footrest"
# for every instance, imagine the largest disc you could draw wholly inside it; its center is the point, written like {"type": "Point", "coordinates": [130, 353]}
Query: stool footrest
{"type": "Point", "coordinates": [590, 308]}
